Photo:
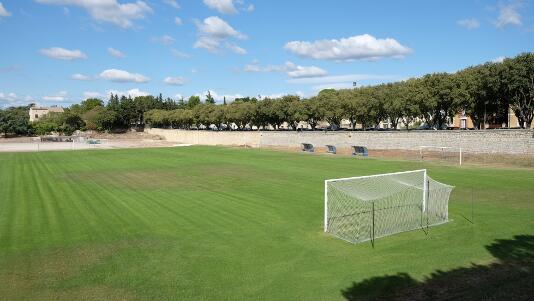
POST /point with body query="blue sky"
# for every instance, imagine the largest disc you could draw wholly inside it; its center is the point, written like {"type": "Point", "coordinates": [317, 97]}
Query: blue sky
{"type": "Point", "coordinates": [62, 51]}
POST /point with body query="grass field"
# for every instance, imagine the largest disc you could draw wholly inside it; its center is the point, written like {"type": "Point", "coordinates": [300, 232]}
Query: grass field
{"type": "Point", "coordinates": [206, 223]}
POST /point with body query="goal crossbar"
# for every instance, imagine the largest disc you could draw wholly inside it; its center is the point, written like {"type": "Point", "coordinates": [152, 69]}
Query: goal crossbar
{"type": "Point", "coordinates": [457, 149]}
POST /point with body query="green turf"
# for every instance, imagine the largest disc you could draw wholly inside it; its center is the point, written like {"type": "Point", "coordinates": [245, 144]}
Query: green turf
{"type": "Point", "coordinates": [206, 223]}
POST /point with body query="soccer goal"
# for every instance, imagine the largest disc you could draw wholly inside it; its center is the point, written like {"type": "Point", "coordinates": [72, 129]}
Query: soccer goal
{"type": "Point", "coordinates": [364, 208]}
{"type": "Point", "coordinates": [441, 153]}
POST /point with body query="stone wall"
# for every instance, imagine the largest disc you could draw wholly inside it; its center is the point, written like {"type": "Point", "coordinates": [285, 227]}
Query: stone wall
{"type": "Point", "coordinates": [489, 141]}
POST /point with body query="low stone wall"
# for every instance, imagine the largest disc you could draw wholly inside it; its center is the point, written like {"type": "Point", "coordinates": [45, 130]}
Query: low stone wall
{"type": "Point", "coordinates": [488, 141]}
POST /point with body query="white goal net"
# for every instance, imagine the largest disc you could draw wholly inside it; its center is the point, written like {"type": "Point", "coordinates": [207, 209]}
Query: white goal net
{"type": "Point", "coordinates": [364, 208]}
{"type": "Point", "coordinates": [441, 153]}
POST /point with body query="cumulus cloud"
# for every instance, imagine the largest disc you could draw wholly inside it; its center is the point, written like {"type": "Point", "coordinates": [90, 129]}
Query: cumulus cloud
{"type": "Point", "coordinates": [59, 53]}
{"type": "Point", "coordinates": [468, 23]}
{"type": "Point", "coordinates": [164, 40]}
{"type": "Point", "coordinates": [498, 59]}
{"type": "Point", "coordinates": [174, 81]}
{"type": "Point", "coordinates": [79, 76]}
{"type": "Point", "coordinates": [347, 49]}
{"type": "Point", "coordinates": [132, 93]}
{"type": "Point", "coordinates": [177, 21]}
{"type": "Point", "coordinates": [12, 99]}
{"type": "Point", "coordinates": [116, 53]}
{"type": "Point", "coordinates": [214, 34]}
{"type": "Point", "coordinates": [111, 11]}
{"type": "Point", "coordinates": [291, 69]}
{"type": "Point", "coordinates": [172, 3]}
{"type": "Point", "coordinates": [222, 6]}
{"type": "Point", "coordinates": [509, 15]}
{"type": "Point", "coordinates": [217, 27]}
{"type": "Point", "coordinates": [122, 76]}
{"type": "Point", "coordinates": [236, 49]}
{"type": "Point", "coordinates": [58, 97]}
{"type": "Point", "coordinates": [3, 11]}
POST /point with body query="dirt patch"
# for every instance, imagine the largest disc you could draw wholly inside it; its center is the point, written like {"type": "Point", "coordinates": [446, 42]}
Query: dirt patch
{"type": "Point", "coordinates": [42, 275]}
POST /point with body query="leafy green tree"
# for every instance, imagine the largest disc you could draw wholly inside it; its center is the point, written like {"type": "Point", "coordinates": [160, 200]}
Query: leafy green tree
{"type": "Point", "coordinates": [332, 107]}
{"type": "Point", "coordinates": [441, 105]}
{"type": "Point", "coordinates": [90, 103]}
{"type": "Point", "coordinates": [517, 77]}
{"type": "Point", "coordinates": [314, 112]}
{"type": "Point", "coordinates": [15, 120]}
{"type": "Point", "coordinates": [209, 98]}
{"type": "Point", "coordinates": [193, 101]}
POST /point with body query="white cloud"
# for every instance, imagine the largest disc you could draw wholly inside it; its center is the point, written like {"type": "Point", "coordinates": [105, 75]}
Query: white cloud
{"type": "Point", "coordinates": [250, 8]}
{"type": "Point", "coordinates": [217, 27]}
{"type": "Point", "coordinates": [164, 40]}
{"type": "Point", "coordinates": [172, 3]}
{"type": "Point", "coordinates": [91, 94]}
{"type": "Point", "coordinates": [468, 23]}
{"type": "Point", "coordinates": [291, 69]}
{"type": "Point", "coordinates": [222, 6]}
{"type": "Point", "coordinates": [509, 15]}
{"type": "Point", "coordinates": [498, 59]}
{"type": "Point", "coordinates": [12, 99]}
{"type": "Point", "coordinates": [62, 53]}
{"type": "Point", "coordinates": [296, 71]}
{"type": "Point", "coordinates": [213, 32]}
{"type": "Point", "coordinates": [111, 11]}
{"type": "Point", "coordinates": [132, 92]}
{"type": "Point", "coordinates": [347, 49]}
{"type": "Point", "coordinates": [333, 79]}
{"type": "Point", "coordinates": [122, 76]}
{"type": "Point", "coordinates": [174, 81]}
{"type": "Point", "coordinates": [177, 21]}
{"type": "Point", "coordinates": [58, 97]}
{"type": "Point", "coordinates": [79, 76]}
{"type": "Point", "coordinates": [3, 11]}
{"type": "Point", "coordinates": [236, 49]}
{"type": "Point", "coordinates": [209, 43]}
{"type": "Point", "coordinates": [116, 53]}
{"type": "Point", "coordinates": [179, 54]}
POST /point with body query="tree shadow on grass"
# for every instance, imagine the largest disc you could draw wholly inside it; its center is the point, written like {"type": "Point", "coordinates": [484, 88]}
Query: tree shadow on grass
{"type": "Point", "coordinates": [511, 278]}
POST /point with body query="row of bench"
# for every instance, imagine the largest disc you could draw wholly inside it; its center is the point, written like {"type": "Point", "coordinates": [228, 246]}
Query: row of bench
{"type": "Point", "coordinates": [356, 150]}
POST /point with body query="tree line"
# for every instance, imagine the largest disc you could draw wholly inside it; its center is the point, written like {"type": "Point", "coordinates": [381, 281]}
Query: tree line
{"type": "Point", "coordinates": [484, 92]}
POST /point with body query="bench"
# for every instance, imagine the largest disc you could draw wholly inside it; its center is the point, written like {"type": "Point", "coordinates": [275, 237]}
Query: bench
{"type": "Point", "coordinates": [308, 147]}
{"type": "Point", "coordinates": [360, 151]}
{"type": "Point", "coordinates": [331, 149]}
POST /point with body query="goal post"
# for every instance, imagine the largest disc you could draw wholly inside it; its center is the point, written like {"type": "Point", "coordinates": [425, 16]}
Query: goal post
{"type": "Point", "coordinates": [363, 208]}
{"type": "Point", "coordinates": [441, 153]}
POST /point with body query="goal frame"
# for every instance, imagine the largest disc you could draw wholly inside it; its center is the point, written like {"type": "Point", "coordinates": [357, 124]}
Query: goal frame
{"type": "Point", "coordinates": [441, 148]}
{"type": "Point", "coordinates": [424, 190]}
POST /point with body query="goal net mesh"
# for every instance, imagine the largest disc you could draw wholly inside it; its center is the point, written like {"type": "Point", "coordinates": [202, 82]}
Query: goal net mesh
{"type": "Point", "coordinates": [365, 208]}
{"type": "Point", "coordinates": [451, 155]}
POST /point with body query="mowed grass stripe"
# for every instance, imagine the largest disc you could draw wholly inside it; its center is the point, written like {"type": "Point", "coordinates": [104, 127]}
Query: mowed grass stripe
{"type": "Point", "coordinates": [211, 223]}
